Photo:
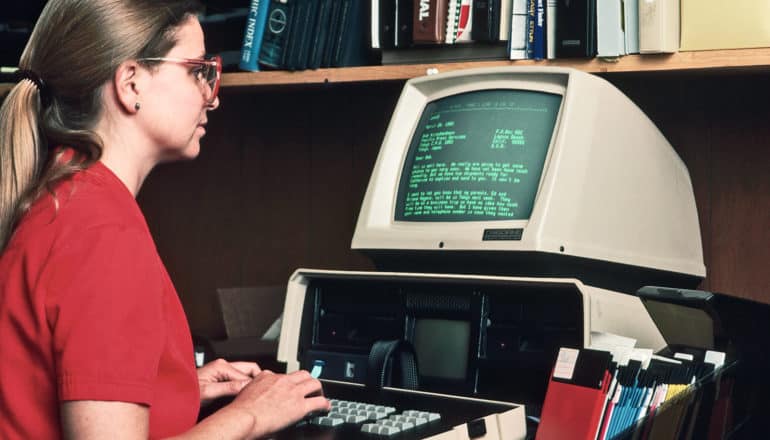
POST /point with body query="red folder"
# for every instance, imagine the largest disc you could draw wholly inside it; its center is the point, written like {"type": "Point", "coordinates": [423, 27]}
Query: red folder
{"type": "Point", "coordinates": [573, 408]}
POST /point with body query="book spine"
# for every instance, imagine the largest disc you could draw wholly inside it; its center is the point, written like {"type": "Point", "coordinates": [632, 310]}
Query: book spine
{"type": "Point", "coordinates": [658, 26]}
{"type": "Point", "coordinates": [465, 21]}
{"type": "Point", "coordinates": [631, 16]}
{"type": "Point", "coordinates": [343, 24]}
{"type": "Point", "coordinates": [320, 33]}
{"type": "Point", "coordinates": [517, 41]}
{"type": "Point", "coordinates": [375, 25]}
{"type": "Point", "coordinates": [252, 35]}
{"type": "Point", "coordinates": [576, 29]}
{"type": "Point", "coordinates": [429, 21]}
{"type": "Point", "coordinates": [550, 29]}
{"type": "Point", "coordinates": [332, 33]}
{"type": "Point", "coordinates": [293, 58]}
{"type": "Point", "coordinates": [453, 15]}
{"type": "Point", "coordinates": [481, 20]}
{"type": "Point", "coordinates": [274, 43]}
{"type": "Point", "coordinates": [531, 19]}
{"type": "Point", "coordinates": [504, 31]}
{"type": "Point", "coordinates": [540, 31]}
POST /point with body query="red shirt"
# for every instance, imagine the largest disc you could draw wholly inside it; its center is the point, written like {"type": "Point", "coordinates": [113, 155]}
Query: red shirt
{"type": "Point", "coordinates": [88, 312]}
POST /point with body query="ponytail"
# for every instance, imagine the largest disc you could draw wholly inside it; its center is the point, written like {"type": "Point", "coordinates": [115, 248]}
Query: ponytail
{"type": "Point", "coordinates": [21, 144]}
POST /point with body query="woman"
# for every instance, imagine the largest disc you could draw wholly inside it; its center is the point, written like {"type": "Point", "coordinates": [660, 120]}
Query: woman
{"type": "Point", "coordinates": [95, 343]}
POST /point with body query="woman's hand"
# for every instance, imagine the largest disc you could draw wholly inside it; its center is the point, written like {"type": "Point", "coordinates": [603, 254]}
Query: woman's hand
{"type": "Point", "coordinates": [279, 400]}
{"type": "Point", "coordinates": [220, 378]}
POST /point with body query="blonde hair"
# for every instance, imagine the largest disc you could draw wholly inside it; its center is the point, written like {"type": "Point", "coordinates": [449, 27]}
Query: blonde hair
{"type": "Point", "coordinates": [75, 49]}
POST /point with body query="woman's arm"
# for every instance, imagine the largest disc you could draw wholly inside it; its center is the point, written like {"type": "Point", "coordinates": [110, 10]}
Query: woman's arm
{"type": "Point", "coordinates": [267, 404]}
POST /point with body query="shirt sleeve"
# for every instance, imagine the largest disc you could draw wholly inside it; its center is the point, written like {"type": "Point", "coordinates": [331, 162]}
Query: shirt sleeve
{"type": "Point", "coordinates": [104, 307]}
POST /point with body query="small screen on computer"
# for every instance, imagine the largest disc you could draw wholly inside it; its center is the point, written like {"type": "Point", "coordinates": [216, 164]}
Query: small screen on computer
{"type": "Point", "coordinates": [441, 346]}
{"type": "Point", "coordinates": [477, 156]}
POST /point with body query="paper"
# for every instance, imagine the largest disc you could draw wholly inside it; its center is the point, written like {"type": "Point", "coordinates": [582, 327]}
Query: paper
{"type": "Point", "coordinates": [565, 363]}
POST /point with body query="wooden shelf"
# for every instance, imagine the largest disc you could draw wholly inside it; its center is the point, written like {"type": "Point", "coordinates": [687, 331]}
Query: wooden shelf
{"type": "Point", "coordinates": [713, 60]}
{"type": "Point", "coordinates": [716, 60]}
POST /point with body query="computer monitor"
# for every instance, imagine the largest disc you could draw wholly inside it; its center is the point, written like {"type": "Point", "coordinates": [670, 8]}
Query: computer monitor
{"type": "Point", "coordinates": [529, 171]}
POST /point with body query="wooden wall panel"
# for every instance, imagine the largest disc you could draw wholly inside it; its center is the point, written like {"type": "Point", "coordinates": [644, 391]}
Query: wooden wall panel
{"type": "Point", "coordinates": [282, 174]}
{"type": "Point", "coordinates": [740, 172]}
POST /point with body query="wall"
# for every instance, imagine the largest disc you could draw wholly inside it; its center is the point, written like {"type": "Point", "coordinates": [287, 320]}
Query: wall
{"type": "Point", "coordinates": [282, 173]}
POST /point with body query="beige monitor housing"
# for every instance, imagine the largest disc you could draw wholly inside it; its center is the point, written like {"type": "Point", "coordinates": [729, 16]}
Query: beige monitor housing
{"type": "Point", "coordinates": [612, 188]}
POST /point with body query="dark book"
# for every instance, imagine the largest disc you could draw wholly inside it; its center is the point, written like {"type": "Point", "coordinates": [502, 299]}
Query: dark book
{"type": "Point", "coordinates": [353, 45]}
{"type": "Point", "coordinates": [429, 21]}
{"type": "Point", "coordinates": [319, 35]}
{"type": "Point", "coordinates": [540, 30]}
{"type": "Point", "coordinates": [576, 29]}
{"type": "Point", "coordinates": [301, 34]}
{"type": "Point", "coordinates": [384, 28]}
{"type": "Point", "coordinates": [275, 41]}
{"type": "Point", "coordinates": [404, 22]}
{"type": "Point", "coordinates": [332, 33]}
{"type": "Point", "coordinates": [446, 53]}
{"type": "Point", "coordinates": [486, 20]}
{"type": "Point", "coordinates": [394, 27]}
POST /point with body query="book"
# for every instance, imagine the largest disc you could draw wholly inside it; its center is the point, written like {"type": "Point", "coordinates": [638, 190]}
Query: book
{"type": "Point", "coordinates": [711, 24]}
{"type": "Point", "coordinates": [517, 41]}
{"type": "Point", "coordinates": [452, 21]}
{"type": "Point", "coordinates": [465, 22]}
{"type": "Point", "coordinates": [252, 35]}
{"type": "Point", "coordinates": [332, 33]}
{"type": "Point", "coordinates": [610, 41]}
{"type": "Point", "coordinates": [382, 24]}
{"type": "Point", "coordinates": [575, 29]}
{"type": "Point", "coordinates": [429, 21]}
{"type": "Point", "coordinates": [631, 31]}
{"type": "Point", "coordinates": [530, 37]}
{"type": "Point", "coordinates": [404, 22]}
{"type": "Point", "coordinates": [504, 29]}
{"type": "Point", "coordinates": [319, 35]}
{"type": "Point", "coordinates": [301, 34]}
{"type": "Point", "coordinates": [275, 41]}
{"type": "Point", "coordinates": [486, 20]}
{"type": "Point", "coordinates": [658, 26]}
{"type": "Point", "coordinates": [538, 52]}
{"type": "Point", "coordinates": [352, 47]}
{"type": "Point", "coordinates": [550, 28]}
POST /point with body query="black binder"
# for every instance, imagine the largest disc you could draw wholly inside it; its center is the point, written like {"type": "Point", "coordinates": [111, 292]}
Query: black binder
{"type": "Point", "coordinates": [575, 29]}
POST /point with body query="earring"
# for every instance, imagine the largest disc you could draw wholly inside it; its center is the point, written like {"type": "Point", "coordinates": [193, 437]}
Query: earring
{"type": "Point", "coordinates": [137, 106]}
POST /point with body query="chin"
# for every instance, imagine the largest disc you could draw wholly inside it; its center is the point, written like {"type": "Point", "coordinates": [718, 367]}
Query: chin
{"type": "Point", "coordinates": [189, 152]}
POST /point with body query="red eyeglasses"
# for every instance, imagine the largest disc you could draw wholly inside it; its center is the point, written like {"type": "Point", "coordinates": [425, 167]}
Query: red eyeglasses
{"type": "Point", "coordinates": [208, 72]}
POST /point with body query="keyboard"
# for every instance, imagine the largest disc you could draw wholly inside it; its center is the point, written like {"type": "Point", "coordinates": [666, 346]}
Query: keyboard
{"type": "Point", "coordinates": [389, 414]}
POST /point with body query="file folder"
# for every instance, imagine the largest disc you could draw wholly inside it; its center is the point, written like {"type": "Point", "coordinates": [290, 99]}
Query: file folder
{"type": "Point", "coordinates": [577, 395]}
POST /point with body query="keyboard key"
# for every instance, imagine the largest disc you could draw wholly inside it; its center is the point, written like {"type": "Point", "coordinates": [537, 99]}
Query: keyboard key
{"type": "Point", "coordinates": [371, 428]}
{"type": "Point", "coordinates": [388, 430]}
{"type": "Point", "coordinates": [355, 419]}
{"type": "Point", "coordinates": [373, 415]}
{"type": "Point", "coordinates": [327, 421]}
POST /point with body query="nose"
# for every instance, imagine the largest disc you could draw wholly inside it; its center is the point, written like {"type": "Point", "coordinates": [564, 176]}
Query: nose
{"type": "Point", "coordinates": [214, 104]}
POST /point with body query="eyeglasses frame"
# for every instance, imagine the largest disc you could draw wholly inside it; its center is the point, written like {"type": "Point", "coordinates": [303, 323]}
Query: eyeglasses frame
{"type": "Point", "coordinates": [214, 61]}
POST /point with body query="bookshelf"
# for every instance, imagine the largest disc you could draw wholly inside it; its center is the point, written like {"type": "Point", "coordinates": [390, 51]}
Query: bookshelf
{"type": "Point", "coordinates": [716, 60]}
{"type": "Point", "coordinates": [287, 158]}
{"type": "Point", "coordinates": [756, 59]}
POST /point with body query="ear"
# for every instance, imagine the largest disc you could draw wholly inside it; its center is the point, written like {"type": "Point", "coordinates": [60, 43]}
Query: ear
{"type": "Point", "coordinates": [129, 80]}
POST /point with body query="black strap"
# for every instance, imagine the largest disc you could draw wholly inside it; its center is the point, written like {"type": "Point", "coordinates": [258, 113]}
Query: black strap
{"type": "Point", "coordinates": [389, 357]}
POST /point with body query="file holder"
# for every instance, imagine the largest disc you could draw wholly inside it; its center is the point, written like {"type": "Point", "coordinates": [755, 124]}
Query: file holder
{"type": "Point", "coordinates": [724, 403]}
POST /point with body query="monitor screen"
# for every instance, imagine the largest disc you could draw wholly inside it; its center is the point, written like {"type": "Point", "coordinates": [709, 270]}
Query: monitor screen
{"type": "Point", "coordinates": [442, 346]}
{"type": "Point", "coordinates": [477, 156]}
